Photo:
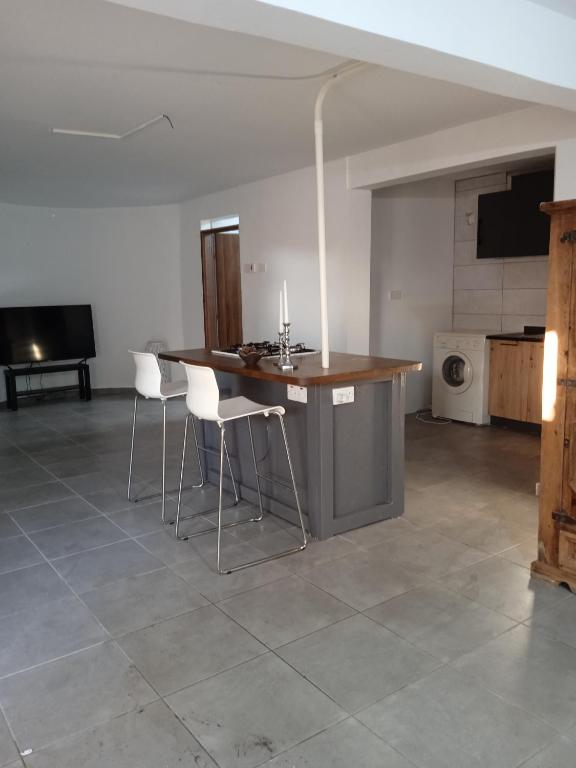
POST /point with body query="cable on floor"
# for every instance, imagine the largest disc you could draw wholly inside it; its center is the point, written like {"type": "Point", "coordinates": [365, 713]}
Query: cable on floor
{"type": "Point", "coordinates": [425, 415]}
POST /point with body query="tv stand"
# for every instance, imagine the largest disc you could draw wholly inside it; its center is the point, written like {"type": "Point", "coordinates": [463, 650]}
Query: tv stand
{"type": "Point", "coordinates": [11, 374]}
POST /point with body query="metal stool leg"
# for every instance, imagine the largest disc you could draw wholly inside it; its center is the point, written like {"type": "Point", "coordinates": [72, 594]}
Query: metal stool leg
{"type": "Point", "coordinates": [255, 468]}
{"type": "Point", "coordinates": [220, 489]}
{"type": "Point", "coordinates": [132, 446]}
{"type": "Point", "coordinates": [179, 516]}
{"type": "Point", "coordinates": [163, 461]}
{"type": "Point", "coordinates": [304, 541]}
{"type": "Point", "coordinates": [291, 551]}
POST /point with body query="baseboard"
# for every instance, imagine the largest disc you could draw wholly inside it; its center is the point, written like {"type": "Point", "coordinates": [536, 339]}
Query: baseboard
{"type": "Point", "coordinates": [100, 392]}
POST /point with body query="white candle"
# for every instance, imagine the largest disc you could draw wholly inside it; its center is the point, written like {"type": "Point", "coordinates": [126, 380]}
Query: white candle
{"type": "Point", "coordinates": [286, 320]}
{"type": "Point", "coordinates": [280, 315]}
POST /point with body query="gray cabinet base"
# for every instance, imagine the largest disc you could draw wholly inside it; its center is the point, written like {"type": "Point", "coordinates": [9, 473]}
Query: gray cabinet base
{"type": "Point", "coordinates": [348, 459]}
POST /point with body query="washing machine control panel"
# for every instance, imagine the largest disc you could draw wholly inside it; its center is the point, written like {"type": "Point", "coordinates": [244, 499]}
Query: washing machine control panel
{"type": "Point", "coordinates": [474, 343]}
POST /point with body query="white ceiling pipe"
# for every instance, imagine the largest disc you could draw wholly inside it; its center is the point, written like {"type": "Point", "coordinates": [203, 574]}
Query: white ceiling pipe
{"type": "Point", "coordinates": [319, 144]}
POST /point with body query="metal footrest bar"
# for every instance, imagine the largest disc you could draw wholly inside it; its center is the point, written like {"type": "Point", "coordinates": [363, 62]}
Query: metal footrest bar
{"type": "Point", "coordinates": [275, 481]}
{"type": "Point", "coordinates": [267, 559]}
{"type": "Point", "coordinates": [215, 529]}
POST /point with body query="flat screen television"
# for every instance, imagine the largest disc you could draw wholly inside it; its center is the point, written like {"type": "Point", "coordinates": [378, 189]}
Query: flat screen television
{"type": "Point", "coordinates": [42, 334]}
{"type": "Point", "coordinates": [511, 223]}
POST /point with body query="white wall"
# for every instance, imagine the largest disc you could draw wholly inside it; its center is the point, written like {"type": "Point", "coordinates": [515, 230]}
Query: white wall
{"type": "Point", "coordinates": [412, 252]}
{"type": "Point", "coordinates": [123, 261]}
{"type": "Point", "coordinates": [278, 227]}
{"type": "Point", "coordinates": [527, 132]}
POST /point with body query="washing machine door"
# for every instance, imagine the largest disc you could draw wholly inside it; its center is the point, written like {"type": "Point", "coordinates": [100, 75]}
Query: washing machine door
{"type": "Point", "coordinates": [457, 372]}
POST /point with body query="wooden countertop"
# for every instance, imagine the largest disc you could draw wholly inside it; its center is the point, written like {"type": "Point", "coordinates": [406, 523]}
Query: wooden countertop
{"type": "Point", "coordinates": [343, 367]}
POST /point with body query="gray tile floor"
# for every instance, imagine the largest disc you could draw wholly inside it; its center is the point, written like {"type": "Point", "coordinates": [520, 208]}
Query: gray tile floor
{"type": "Point", "coordinates": [420, 642]}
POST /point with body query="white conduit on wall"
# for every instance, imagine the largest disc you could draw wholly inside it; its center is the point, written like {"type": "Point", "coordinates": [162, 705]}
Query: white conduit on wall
{"type": "Point", "coordinates": [319, 144]}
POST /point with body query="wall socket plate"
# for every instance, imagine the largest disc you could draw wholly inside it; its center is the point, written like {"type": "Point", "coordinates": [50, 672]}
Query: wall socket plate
{"type": "Point", "coordinates": [296, 393]}
{"type": "Point", "coordinates": [342, 395]}
{"type": "Point", "coordinates": [256, 266]}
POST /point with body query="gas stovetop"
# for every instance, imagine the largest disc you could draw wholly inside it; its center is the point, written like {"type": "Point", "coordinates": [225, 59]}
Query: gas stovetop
{"type": "Point", "coordinates": [271, 349]}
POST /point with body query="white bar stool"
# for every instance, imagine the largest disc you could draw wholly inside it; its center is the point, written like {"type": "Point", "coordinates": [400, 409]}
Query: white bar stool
{"type": "Point", "coordinates": [203, 401]}
{"type": "Point", "coordinates": [148, 384]}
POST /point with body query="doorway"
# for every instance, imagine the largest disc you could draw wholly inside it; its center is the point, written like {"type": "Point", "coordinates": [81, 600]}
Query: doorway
{"type": "Point", "coordinates": [221, 282]}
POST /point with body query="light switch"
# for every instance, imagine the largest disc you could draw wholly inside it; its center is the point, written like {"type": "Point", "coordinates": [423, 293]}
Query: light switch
{"type": "Point", "coordinates": [395, 295]}
{"type": "Point", "coordinates": [342, 395]}
{"type": "Point", "coordinates": [299, 394]}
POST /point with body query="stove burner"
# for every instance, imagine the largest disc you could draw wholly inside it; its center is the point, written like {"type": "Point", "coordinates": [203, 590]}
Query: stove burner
{"type": "Point", "coordinates": [270, 349]}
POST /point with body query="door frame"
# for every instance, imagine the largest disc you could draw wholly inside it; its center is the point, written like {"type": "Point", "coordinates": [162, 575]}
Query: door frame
{"type": "Point", "coordinates": [210, 333]}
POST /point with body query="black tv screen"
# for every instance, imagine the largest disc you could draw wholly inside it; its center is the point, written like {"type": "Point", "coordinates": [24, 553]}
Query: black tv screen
{"type": "Point", "coordinates": [41, 334]}
{"type": "Point", "coordinates": [511, 223]}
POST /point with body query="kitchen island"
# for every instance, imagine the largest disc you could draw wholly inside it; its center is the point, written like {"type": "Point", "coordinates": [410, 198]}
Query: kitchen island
{"type": "Point", "coordinates": [348, 456]}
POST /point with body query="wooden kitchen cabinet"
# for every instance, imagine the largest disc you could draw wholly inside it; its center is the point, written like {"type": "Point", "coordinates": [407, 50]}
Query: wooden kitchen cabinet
{"type": "Point", "coordinates": [515, 390]}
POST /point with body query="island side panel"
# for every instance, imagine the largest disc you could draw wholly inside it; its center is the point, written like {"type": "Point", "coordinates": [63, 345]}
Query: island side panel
{"type": "Point", "coordinates": [348, 459]}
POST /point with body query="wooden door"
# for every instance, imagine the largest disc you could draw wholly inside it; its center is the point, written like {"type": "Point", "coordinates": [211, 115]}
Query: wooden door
{"type": "Point", "coordinates": [221, 281]}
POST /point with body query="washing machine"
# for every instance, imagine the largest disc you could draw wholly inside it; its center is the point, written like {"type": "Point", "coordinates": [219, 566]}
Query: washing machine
{"type": "Point", "coordinates": [460, 376]}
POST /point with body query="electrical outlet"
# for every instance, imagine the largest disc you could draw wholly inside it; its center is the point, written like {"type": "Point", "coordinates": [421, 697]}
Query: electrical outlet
{"type": "Point", "coordinates": [342, 395]}
{"type": "Point", "coordinates": [299, 394]}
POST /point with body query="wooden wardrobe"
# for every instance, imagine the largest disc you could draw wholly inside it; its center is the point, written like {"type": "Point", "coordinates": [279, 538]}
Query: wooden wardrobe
{"type": "Point", "coordinates": [557, 524]}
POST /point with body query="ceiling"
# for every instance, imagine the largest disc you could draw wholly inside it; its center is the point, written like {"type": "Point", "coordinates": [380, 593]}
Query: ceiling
{"type": "Point", "coordinates": [565, 7]}
{"type": "Point", "coordinates": [95, 66]}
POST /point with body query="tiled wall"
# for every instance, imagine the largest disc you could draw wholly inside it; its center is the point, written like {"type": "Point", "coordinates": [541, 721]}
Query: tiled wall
{"type": "Point", "coordinates": [492, 294]}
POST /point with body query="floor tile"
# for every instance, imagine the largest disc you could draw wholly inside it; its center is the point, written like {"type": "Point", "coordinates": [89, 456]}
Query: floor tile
{"type": "Point", "coordinates": [54, 513]}
{"type": "Point", "coordinates": [318, 553]}
{"type": "Point", "coordinates": [440, 622]}
{"type": "Point", "coordinates": [363, 579]}
{"type": "Point", "coordinates": [76, 537]}
{"type": "Point", "coordinates": [144, 518]}
{"type": "Point", "coordinates": [32, 495]}
{"type": "Point", "coordinates": [20, 478]}
{"type": "Point", "coordinates": [8, 527]}
{"type": "Point", "coordinates": [188, 648]}
{"type": "Point", "coordinates": [92, 569]}
{"type": "Point", "coordinates": [484, 531]}
{"type": "Point", "coordinates": [17, 552]}
{"type": "Point", "coordinates": [560, 754]}
{"type": "Point", "coordinates": [523, 553]}
{"type": "Point", "coordinates": [201, 572]}
{"type": "Point", "coordinates": [150, 737]}
{"type": "Point", "coordinates": [34, 636]}
{"type": "Point", "coordinates": [30, 588]}
{"type": "Point", "coordinates": [8, 751]}
{"type": "Point", "coordinates": [343, 745]}
{"type": "Point", "coordinates": [558, 620]}
{"type": "Point", "coordinates": [164, 545]}
{"type": "Point", "coordinates": [505, 587]}
{"type": "Point", "coordinates": [253, 712]}
{"type": "Point", "coordinates": [530, 669]}
{"type": "Point", "coordinates": [429, 554]}
{"type": "Point", "coordinates": [357, 662]}
{"type": "Point", "coordinates": [140, 601]}
{"type": "Point", "coordinates": [374, 535]}
{"type": "Point", "coordinates": [285, 610]}
{"type": "Point", "coordinates": [108, 500]}
{"type": "Point", "coordinates": [443, 721]}
{"type": "Point", "coordinates": [77, 692]}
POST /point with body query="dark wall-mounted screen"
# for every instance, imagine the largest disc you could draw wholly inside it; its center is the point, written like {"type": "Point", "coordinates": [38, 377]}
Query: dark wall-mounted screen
{"type": "Point", "coordinates": [510, 223]}
{"type": "Point", "coordinates": [40, 334]}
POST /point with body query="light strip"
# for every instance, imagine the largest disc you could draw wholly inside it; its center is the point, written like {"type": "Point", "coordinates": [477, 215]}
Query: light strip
{"type": "Point", "coordinates": [100, 135]}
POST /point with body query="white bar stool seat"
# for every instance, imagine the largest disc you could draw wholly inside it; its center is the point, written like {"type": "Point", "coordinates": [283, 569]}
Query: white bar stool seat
{"type": "Point", "coordinates": [203, 401]}
{"type": "Point", "coordinates": [149, 385]}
